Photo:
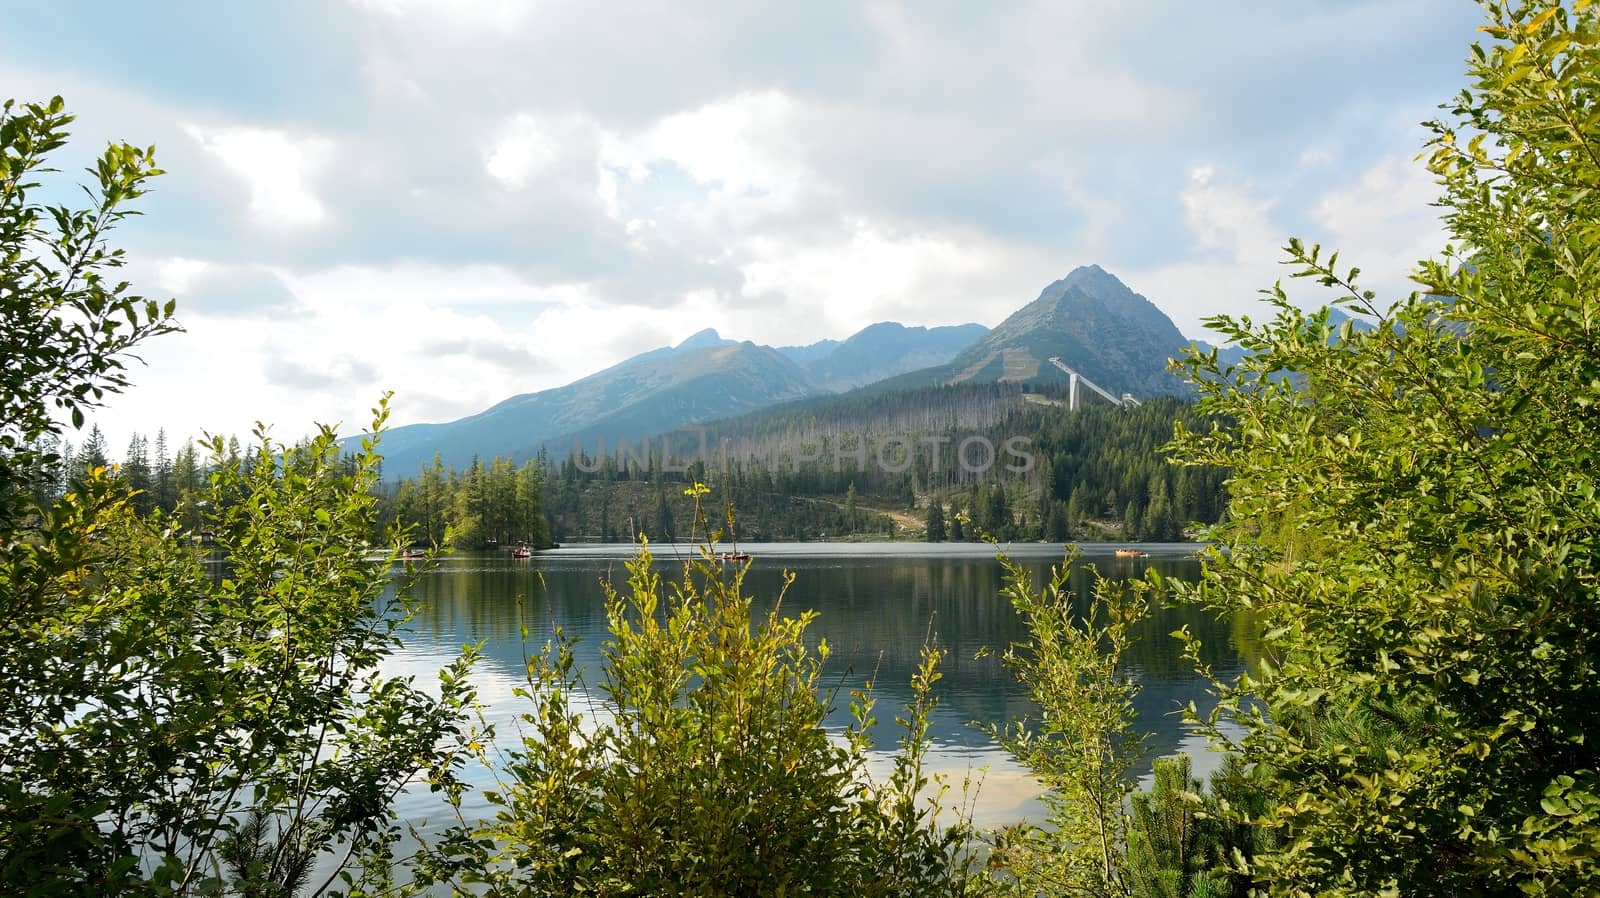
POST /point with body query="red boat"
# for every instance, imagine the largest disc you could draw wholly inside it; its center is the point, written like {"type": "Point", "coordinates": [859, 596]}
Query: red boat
{"type": "Point", "coordinates": [523, 552]}
{"type": "Point", "coordinates": [726, 557]}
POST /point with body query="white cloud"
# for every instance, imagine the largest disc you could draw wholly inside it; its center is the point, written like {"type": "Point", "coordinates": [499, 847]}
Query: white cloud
{"type": "Point", "coordinates": [738, 145]}
{"type": "Point", "coordinates": [174, 275]}
{"type": "Point", "coordinates": [1316, 157]}
{"type": "Point", "coordinates": [359, 331]}
{"type": "Point", "coordinates": [1232, 254]}
{"type": "Point", "coordinates": [276, 167]}
{"type": "Point", "coordinates": [524, 149]}
{"type": "Point", "coordinates": [1381, 222]}
{"type": "Point", "coordinates": [373, 286]}
{"type": "Point", "coordinates": [216, 288]}
{"type": "Point", "coordinates": [1227, 219]}
{"type": "Point", "coordinates": [1384, 223]}
{"type": "Point", "coordinates": [606, 191]}
{"type": "Point", "coordinates": [390, 79]}
{"type": "Point", "coordinates": [871, 274]}
{"type": "Point", "coordinates": [471, 15]}
{"type": "Point", "coordinates": [249, 291]}
{"type": "Point", "coordinates": [580, 335]}
{"type": "Point", "coordinates": [528, 180]}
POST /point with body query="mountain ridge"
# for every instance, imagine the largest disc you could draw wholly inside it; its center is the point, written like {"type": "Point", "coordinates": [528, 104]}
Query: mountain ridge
{"type": "Point", "coordinates": [882, 350]}
{"type": "Point", "coordinates": [703, 377]}
{"type": "Point", "coordinates": [1090, 319]}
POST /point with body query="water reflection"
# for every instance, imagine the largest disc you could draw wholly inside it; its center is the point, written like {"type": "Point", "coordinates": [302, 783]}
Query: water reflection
{"type": "Point", "coordinates": [876, 604]}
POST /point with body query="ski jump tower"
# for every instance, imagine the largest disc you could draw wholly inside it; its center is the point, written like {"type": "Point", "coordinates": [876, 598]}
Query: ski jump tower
{"type": "Point", "coordinates": [1074, 380]}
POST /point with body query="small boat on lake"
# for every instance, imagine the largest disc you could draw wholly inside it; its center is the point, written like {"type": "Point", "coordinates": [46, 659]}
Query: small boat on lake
{"type": "Point", "coordinates": [1130, 553]}
{"type": "Point", "coordinates": [522, 552]}
{"type": "Point", "coordinates": [726, 557]}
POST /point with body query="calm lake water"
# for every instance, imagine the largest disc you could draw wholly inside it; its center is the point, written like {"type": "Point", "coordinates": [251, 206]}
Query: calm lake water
{"type": "Point", "coordinates": [876, 603]}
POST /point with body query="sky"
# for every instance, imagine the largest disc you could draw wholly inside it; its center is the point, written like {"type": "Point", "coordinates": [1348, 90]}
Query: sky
{"type": "Point", "coordinates": [463, 200]}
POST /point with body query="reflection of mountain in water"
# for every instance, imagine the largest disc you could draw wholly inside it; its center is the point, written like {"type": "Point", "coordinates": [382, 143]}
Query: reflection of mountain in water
{"type": "Point", "coordinates": [874, 609]}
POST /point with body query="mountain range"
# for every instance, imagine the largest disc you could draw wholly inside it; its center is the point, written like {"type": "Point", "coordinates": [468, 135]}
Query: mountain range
{"type": "Point", "coordinates": [881, 351]}
{"type": "Point", "coordinates": [1089, 319]}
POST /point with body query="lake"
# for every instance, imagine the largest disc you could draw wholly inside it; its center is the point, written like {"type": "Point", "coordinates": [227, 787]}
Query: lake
{"type": "Point", "coordinates": [876, 603]}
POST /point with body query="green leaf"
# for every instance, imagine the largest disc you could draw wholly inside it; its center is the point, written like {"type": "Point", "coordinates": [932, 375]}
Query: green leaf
{"type": "Point", "coordinates": [1554, 806]}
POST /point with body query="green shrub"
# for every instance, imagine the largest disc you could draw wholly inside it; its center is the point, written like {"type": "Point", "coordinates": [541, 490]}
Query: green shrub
{"type": "Point", "coordinates": [1430, 702]}
{"type": "Point", "coordinates": [698, 764]}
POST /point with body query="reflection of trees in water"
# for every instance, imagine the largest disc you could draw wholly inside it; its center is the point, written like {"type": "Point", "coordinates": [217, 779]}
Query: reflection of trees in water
{"type": "Point", "coordinates": [874, 611]}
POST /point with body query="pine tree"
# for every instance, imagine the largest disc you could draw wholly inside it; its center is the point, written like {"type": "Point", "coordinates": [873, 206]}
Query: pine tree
{"type": "Point", "coordinates": [998, 512]}
{"type": "Point", "coordinates": [1056, 529]}
{"type": "Point", "coordinates": [936, 529]}
{"type": "Point", "coordinates": [165, 491]}
{"type": "Point", "coordinates": [136, 474]}
{"type": "Point", "coordinates": [92, 454]}
{"type": "Point", "coordinates": [664, 525]}
{"type": "Point", "coordinates": [529, 516]}
{"type": "Point", "coordinates": [1158, 522]}
{"type": "Point", "coordinates": [1075, 512]}
{"type": "Point", "coordinates": [186, 485]}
